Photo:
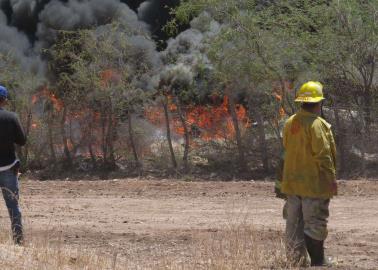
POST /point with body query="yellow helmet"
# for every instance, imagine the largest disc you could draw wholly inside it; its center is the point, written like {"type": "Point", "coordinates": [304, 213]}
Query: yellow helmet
{"type": "Point", "coordinates": [310, 92]}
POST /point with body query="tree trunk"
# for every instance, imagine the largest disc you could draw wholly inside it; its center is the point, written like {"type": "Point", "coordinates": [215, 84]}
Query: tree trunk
{"type": "Point", "coordinates": [51, 138]}
{"type": "Point", "coordinates": [186, 135]}
{"type": "Point", "coordinates": [25, 151]}
{"type": "Point", "coordinates": [367, 111]}
{"type": "Point", "coordinates": [90, 142]}
{"type": "Point", "coordinates": [168, 129]}
{"type": "Point", "coordinates": [131, 137]}
{"type": "Point", "coordinates": [92, 155]}
{"type": "Point", "coordinates": [66, 150]}
{"type": "Point", "coordinates": [360, 129]}
{"type": "Point", "coordinates": [340, 140]}
{"type": "Point", "coordinates": [262, 140]}
{"type": "Point", "coordinates": [110, 136]}
{"type": "Point", "coordinates": [103, 138]}
{"type": "Point", "coordinates": [239, 142]}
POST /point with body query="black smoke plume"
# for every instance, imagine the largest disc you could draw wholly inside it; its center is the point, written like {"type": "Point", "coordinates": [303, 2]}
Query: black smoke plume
{"type": "Point", "coordinates": [27, 26]}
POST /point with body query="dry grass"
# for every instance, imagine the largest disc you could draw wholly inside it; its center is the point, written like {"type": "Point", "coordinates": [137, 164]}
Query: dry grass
{"type": "Point", "coordinates": [236, 248]}
{"type": "Point", "coordinates": [36, 256]}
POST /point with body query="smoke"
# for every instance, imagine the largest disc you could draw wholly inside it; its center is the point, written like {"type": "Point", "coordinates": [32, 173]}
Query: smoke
{"type": "Point", "coordinates": [179, 76]}
{"type": "Point", "coordinates": [16, 45]}
{"type": "Point", "coordinates": [156, 14]}
{"type": "Point", "coordinates": [28, 26]}
{"type": "Point", "coordinates": [3, 18]}
{"type": "Point", "coordinates": [77, 14]}
{"type": "Point", "coordinates": [189, 46]}
{"type": "Point", "coordinates": [186, 56]}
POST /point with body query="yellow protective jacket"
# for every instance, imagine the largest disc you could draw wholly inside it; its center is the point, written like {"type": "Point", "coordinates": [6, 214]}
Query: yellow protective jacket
{"type": "Point", "coordinates": [310, 157]}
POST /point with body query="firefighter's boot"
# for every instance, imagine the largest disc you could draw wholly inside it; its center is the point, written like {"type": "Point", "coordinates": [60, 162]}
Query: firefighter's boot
{"type": "Point", "coordinates": [315, 249]}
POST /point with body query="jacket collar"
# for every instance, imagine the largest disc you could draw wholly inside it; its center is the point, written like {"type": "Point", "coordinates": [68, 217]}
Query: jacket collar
{"type": "Point", "coordinates": [306, 113]}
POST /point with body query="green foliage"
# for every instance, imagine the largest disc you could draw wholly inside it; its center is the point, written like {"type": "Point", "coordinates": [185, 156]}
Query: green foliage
{"type": "Point", "coordinates": [269, 48]}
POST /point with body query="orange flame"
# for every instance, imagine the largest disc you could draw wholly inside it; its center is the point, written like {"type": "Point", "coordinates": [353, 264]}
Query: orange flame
{"type": "Point", "coordinates": [46, 93]}
{"type": "Point", "coordinates": [109, 76]}
{"type": "Point", "coordinates": [278, 96]}
{"type": "Point", "coordinates": [204, 122]}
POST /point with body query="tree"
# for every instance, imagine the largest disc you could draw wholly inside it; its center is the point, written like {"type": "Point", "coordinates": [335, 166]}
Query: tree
{"type": "Point", "coordinates": [347, 59]}
{"type": "Point", "coordinates": [176, 83]}
{"type": "Point", "coordinates": [62, 57]}
{"type": "Point", "coordinates": [115, 67]}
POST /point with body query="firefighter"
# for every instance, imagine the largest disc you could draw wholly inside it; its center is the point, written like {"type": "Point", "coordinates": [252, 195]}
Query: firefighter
{"type": "Point", "coordinates": [309, 177]}
{"type": "Point", "coordinates": [11, 133]}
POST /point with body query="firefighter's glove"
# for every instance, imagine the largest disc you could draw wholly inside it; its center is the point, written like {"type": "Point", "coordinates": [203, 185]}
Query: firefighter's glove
{"type": "Point", "coordinates": [279, 194]}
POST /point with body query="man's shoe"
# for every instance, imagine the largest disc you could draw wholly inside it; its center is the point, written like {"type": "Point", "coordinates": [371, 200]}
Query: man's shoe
{"type": "Point", "coordinates": [18, 239]}
{"type": "Point", "coordinates": [18, 236]}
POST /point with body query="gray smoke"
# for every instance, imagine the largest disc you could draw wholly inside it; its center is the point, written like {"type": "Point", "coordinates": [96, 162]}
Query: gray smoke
{"type": "Point", "coordinates": [48, 19]}
{"type": "Point", "coordinates": [145, 8]}
{"type": "Point", "coordinates": [22, 9]}
{"type": "Point", "coordinates": [186, 55]}
{"type": "Point", "coordinates": [143, 59]}
{"type": "Point", "coordinates": [16, 45]}
{"type": "Point", "coordinates": [3, 18]}
{"type": "Point", "coordinates": [77, 14]}
{"type": "Point", "coordinates": [179, 76]}
{"type": "Point", "coordinates": [189, 47]}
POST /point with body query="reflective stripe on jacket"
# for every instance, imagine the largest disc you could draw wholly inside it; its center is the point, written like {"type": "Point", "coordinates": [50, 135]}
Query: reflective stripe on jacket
{"type": "Point", "coordinates": [310, 157]}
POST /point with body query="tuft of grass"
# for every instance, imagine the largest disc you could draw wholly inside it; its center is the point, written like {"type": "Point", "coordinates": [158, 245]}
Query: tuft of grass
{"type": "Point", "coordinates": [36, 257]}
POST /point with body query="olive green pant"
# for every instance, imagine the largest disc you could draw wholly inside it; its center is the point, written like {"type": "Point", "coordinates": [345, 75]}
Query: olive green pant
{"type": "Point", "coordinates": [304, 216]}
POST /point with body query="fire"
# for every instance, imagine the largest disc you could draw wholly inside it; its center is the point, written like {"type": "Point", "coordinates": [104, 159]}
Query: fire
{"type": "Point", "coordinates": [34, 99]}
{"type": "Point", "coordinates": [47, 94]}
{"type": "Point", "coordinates": [278, 96]}
{"type": "Point", "coordinates": [109, 76]}
{"type": "Point", "coordinates": [204, 122]}
{"type": "Point", "coordinates": [215, 122]}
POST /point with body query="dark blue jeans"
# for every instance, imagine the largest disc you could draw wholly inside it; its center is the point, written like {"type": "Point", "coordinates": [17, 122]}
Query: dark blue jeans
{"type": "Point", "coordinates": [9, 187]}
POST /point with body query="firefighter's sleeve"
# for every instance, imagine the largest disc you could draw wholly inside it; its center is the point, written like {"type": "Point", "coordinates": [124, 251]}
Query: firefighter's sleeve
{"type": "Point", "coordinates": [278, 182]}
{"type": "Point", "coordinates": [333, 149]}
{"type": "Point", "coordinates": [322, 150]}
{"type": "Point", "coordinates": [284, 136]}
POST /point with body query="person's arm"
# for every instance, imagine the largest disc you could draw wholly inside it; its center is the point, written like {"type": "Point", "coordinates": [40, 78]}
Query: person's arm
{"type": "Point", "coordinates": [19, 134]}
{"type": "Point", "coordinates": [323, 153]}
{"type": "Point", "coordinates": [278, 182]}
{"type": "Point", "coordinates": [333, 149]}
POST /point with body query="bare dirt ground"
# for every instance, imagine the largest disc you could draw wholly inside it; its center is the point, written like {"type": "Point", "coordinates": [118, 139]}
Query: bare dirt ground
{"type": "Point", "coordinates": [139, 220]}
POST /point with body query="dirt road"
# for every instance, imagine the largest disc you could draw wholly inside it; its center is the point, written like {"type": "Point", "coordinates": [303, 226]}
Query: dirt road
{"type": "Point", "coordinates": [164, 218]}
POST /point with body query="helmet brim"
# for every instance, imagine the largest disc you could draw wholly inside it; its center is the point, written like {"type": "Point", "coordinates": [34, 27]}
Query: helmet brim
{"type": "Point", "coordinates": [309, 99]}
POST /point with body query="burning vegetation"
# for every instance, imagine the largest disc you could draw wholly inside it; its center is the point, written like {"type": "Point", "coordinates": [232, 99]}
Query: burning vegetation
{"type": "Point", "coordinates": [205, 122]}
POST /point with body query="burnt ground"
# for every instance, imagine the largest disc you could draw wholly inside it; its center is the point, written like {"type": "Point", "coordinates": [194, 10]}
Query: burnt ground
{"type": "Point", "coordinates": [139, 218]}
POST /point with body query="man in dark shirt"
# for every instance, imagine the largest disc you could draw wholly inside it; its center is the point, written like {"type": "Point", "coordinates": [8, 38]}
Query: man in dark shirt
{"type": "Point", "coordinates": [11, 133]}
